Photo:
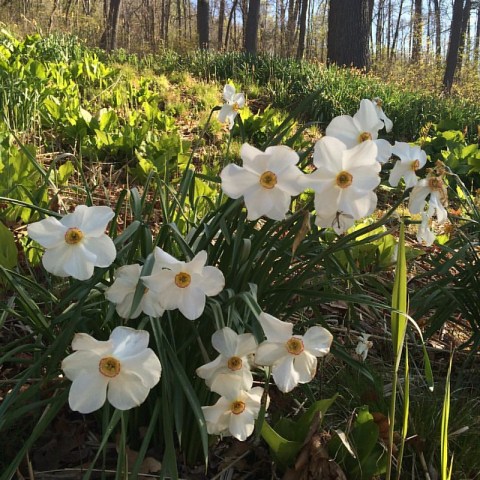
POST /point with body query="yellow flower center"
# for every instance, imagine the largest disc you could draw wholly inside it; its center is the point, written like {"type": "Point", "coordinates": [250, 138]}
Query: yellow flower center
{"type": "Point", "coordinates": [295, 346]}
{"type": "Point", "coordinates": [237, 407]}
{"type": "Point", "coordinates": [182, 279]}
{"type": "Point", "coordinates": [364, 136]}
{"type": "Point", "coordinates": [109, 366]}
{"type": "Point", "coordinates": [268, 179]}
{"type": "Point", "coordinates": [379, 102]}
{"type": "Point", "coordinates": [435, 184]}
{"type": "Point", "coordinates": [73, 236]}
{"type": "Point", "coordinates": [415, 165]}
{"type": "Point", "coordinates": [234, 363]}
{"type": "Point", "coordinates": [344, 179]}
{"type": "Point", "coordinates": [235, 107]}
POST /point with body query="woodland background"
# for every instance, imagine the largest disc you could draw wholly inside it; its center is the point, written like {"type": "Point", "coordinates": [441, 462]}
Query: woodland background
{"type": "Point", "coordinates": [361, 33]}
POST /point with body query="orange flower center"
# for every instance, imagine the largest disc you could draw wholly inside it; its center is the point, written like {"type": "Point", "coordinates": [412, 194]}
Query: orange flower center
{"type": "Point", "coordinates": [109, 366]}
{"type": "Point", "coordinates": [235, 107]}
{"type": "Point", "coordinates": [435, 184]}
{"type": "Point", "coordinates": [237, 407]}
{"type": "Point", "coordinates": [234, 363]}
{"type": "Point", "coordinates": [415, 165]}
{"type": "Point", "coordinates": [295, 346]}
{"type": "Point", "coordinates": [73, 235]}
{"type": "Point", "coordinates": [182, 279]}
{"type": "Point", "coordinates": [344, 179]}
{"type": "Point", "coordinates": [268, 179]}
{"type": "Point", "coordinates": [364, 136]}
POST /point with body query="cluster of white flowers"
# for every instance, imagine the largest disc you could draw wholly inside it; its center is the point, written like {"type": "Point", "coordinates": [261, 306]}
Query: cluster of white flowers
{"type": "Point", "coordinates": [348, 161]}
{"type": "Point", "coordinates": [123, 369]}
{"type": "Point", "coordinates": [292, 358]}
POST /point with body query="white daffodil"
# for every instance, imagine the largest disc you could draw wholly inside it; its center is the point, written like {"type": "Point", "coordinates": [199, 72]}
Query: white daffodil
{"type": "Point", "coordinates": [184, 285]}
{"type": "Point", "coordinates": [412, 158]}
{"type": "Point", "coordinates": [339, 221]}
{"type": "Point", "coordinates": [77, 243]}
{"type": "Point", "coordinates": [233, 103]}
{"type": "Point", "coordinates": [364, 125]}
{"type": "Point", "coordinates": [344, 180]}
{"type": "Point", "coordinates": [435, 188]}
{"type": "Point", "coordinates": [378, 103]}
{"type": "Point", "coordinates": [267, 180]}
{"type": "Point", "coordinates": [363, 346]}
{"type": "Point", "coordinates": [235, 411]}
{"type": "Point", "coordinates": [293, 358]}
{"type": "Point", "coordinates": [122, 292]}
{"type": "Point", "coordinates": [424, 235]}
{"type": "Point", "coordinates": [121, 369]}
{"type": "Point", "coordinates": [234, 355]}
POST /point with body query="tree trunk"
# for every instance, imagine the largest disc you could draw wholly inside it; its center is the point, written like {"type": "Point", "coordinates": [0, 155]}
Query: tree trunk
{"type": "Point", "coordinates": [251, 30]}
{"type": "Point", "coordinates": [302, 29]}
{"type": "Point", "coordinates": [476, 51]}
{"type": "Point", "coordinates": [417, 31]}
{"type": "Point", "coordinates": [349, 23]}
{"type": "Point", "coordinates": [203, 24]}
{"type": "Point", "coordinates": [397, 30]}
{"type": "Point", "coordinates": [438, 29]}
{"type": "Point", "coordinates": [463, 32]}
{"type": "Point", "coordinates": [109, 38]}
{"type": "Point", "coordinates": [229, 24]}
{"type": "Point", "coordinates": [453, 45]}
{"type": "Point", "coordinates": [221, 21]}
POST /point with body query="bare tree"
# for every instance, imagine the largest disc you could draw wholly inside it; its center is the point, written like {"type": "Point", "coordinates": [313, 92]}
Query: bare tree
{"type": "Point", "coordinates": [251, 30]}
{"type": "Point", "coordinates": [349, 24]}
{"type": "Point", "coordinates": [453, 45]}
{"type": "Point", "coordinates": [302, 29]}
{"type": "Point", "coordinates": [203, 20]}
{"type": "Point", "coordinates": [417, 31]}
{"type": "Point", "coordinates": [109, 37]}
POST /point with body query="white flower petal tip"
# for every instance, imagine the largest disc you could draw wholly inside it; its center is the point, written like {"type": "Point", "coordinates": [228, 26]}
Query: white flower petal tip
{"type": "Point", "coordinates": [378, 103]}
{"type": "Point", "coordinates": [233, 103]}
{"type": "Point", "coordinates": [77, 243]}
{"type": "Point", "coordinates": [424, 235]}
{"type": "Point", "coordinates": [434, 188]}
{"type": "Point", "coordinates": [363, 346]}
{"type": "Point", "coordinates": [412, 159]}
{"type": "Point", "coordinates": [184, 285]}
{"type": "Point", "coordinates": [293, 358]}
{"type": "Point", "coordinates": [122, 369]}
{"type": "Point", "coordinates": [234, 413]}
{"type": "Point", "coordinates": [266, 181]}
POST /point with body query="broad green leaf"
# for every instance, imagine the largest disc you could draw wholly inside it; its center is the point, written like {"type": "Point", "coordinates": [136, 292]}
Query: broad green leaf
{"type": "Point", "coordinates": [8, 249]}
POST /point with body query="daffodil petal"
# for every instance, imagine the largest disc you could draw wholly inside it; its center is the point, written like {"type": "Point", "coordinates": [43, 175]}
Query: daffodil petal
{"type": "Point", "coordinates": [317, 341]}
{"type": "Point", "coordinates": [128, 341]}
{"type": "Point", "coordinates": [126, 391]}
{"type": "Point", "coordinates": [306, 367]}
{"type": "Point", "coordinates": [284, 374]}
{"type": "Point", "coordinates": [49, 232]}
{"type": "Point", "coordinates": [275, 330]}
{"type": "Point", "coordinates": [103, 248]}
{"type": "Point", "coordinates": [145, 365]}
{"type": "Point", "coordinates": [269, 353]}
{"type": "Point", "coordinates": [241, 425]}
{"type": "Point", "coordinates": [88, 392]}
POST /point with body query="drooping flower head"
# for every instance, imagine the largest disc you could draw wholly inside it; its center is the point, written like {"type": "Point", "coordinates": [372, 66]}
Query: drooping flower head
{"type": "Point", "coordinates": [184, 285]}
{"type": "Point", "coordinates": [412, 158]}
{"type": "Point", "coordinates": [378, 103]}
{"type": "Point", "coordinates": [235, 351]}
{"type": "Point", "coordinates": [76, 243]}
{"type": "Point", "coordinates": [235, 411]}
{"type": "Point", "coordinates": [293, 358]}
{"type": "Point", "coordinates": [122, 369]}
{"type": "Point", "coordinates": [233, 103]}
{"type": "Point", "coordinates": [122, 293]}
{"type": "Point", "coordinates": [267, 180]}
{"type": "Point", "coordinates": [433, 187]}
{"type": "Point", "coordinates": [424, 235]}
{"type": "Point", "coordinates": [343, 181]}
{"type": "Point", "coordinates": [363, 126]}
{"type": "Point", "coordinates": [363, 346]}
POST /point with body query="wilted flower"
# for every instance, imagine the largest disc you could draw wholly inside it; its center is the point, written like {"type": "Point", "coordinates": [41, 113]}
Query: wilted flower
{"type": "Point", "coordinates": [267, 180]}
{"type": "Point", "coordinates": [234, 355]}
{"type": "Point", "coordinates": [233, 103]}
{"type": "Point", "coordinates": [424, 234]}
{"type": "Point", "coordinates": [344, 180]}
{"type": "Point", "coordinates": [412, 158]}
{"type": "Point", "coordinates": [235, 411]}
{"type": "Point", "coordinates": [364, 125]}
{"type": "Point", "coordinates": [363, 346]}
{"type": "Point", "coordinates": [184, 285]}
{"type": "Point", "coordinates": [435, 188]}
{"type": "Point", "coordinates": [121, 369]}
{"type": "Point", "coordinates": [378, 103]}
{"type": "Point", "coordinates": [122, 293]}
{"type": "Point", "coordinates": [293, 357]}
{"type": "Point", "coordinates": [77, 243]}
